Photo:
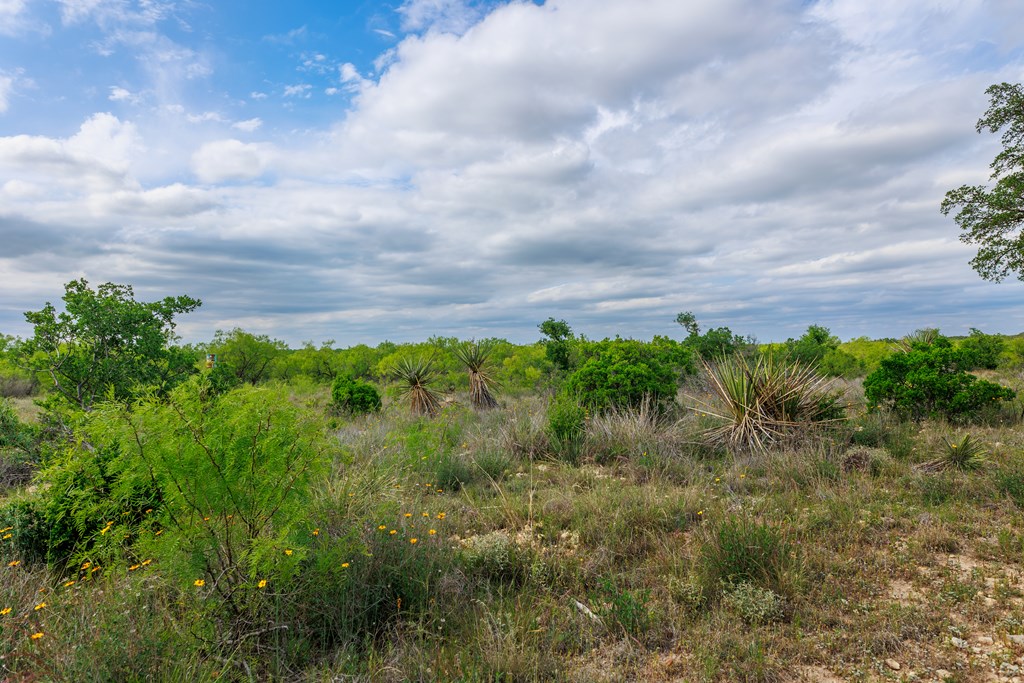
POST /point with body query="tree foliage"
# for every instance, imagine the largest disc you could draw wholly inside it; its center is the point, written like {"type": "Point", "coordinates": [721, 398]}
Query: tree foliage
{"type": "Point", "coordinates": [715, 343]}
{"type": "Point", "coordinates": [107, 344]}
{"type": "Point", "coordinates": [249, 357]}
{"type": "Point", "coordinates": [931, 380]}
{"type": "Point", "coordinates": [558, 345]}
{"type": "Point", "coordinates": [992, 218]}
{"type": "Point", "coordinates": [623, 373]}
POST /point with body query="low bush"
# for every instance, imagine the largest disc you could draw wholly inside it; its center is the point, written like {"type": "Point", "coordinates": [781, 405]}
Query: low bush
{"type": "Point", "coordinates": [738, 550]}
{"type": "Point", "coordinates": [931, 380]}
{"type": "Point", "coordinates": [566, 427]}
{"type": "Point", "coordinates": [354, 396]}
{"type": "Point", "coordinates": [624, 373]}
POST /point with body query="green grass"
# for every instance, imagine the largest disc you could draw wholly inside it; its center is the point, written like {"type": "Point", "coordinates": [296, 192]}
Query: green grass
{"type": "Point", "coordinates": [646, 555]}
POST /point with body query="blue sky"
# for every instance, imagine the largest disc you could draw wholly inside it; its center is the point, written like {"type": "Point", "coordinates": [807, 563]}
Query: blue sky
{"type": "Point", "coordinates": [361, 171]}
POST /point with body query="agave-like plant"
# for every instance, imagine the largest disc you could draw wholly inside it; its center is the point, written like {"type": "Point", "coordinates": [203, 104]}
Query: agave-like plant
{"type": "Point", "coordinates": [414, 376]}
{"type": "Point", "coordinates": [926, 336]}
{"type": "Point", "coordinates": [474, 356]}
{"type": "Point", "coordinates": [766, 400]}
{"type": "Point", "coordinates": [966, 455]}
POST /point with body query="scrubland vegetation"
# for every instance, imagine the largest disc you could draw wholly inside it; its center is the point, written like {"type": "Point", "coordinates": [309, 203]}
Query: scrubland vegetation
{"type": "Point", "coordinates": [695, 509]}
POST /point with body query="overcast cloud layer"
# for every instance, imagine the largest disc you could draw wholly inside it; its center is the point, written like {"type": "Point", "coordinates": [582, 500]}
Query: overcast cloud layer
{"type": "Point", "coordinates": [472, 168]}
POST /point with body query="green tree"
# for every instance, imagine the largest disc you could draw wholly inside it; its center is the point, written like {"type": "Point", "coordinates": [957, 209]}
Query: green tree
{"type": "Point", "coordinates": [105, 344]}
{"type": "Point", "coordinates": [716, 342]}
{"type": "Point", "coordinates": [993, 218]}
{"type": "Point", "coordinates": [558, 345]}
{"type": "Point", "coordinates": [250, 357]}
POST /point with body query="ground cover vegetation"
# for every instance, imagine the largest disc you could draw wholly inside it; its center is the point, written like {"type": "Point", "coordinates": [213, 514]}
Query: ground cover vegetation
{"type": "Point", "coordinates": [700, 509]}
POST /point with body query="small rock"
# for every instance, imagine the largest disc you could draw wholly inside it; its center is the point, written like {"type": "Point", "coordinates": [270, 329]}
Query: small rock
{"type": "Point", "coordinates": [892, 664]}
{"type": "Point", "coordinates": [984, 640]}
{"type": "Point", "coordinates": [1016, 639]}
{"type": "Point", "coordinates": [959, 643]}
{"type": "Point", "coordinates": [989, 602]}
{"type": "Point", "coordinates": [942, 674]}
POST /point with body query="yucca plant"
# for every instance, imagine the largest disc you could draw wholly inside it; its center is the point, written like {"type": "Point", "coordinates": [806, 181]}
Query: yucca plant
{"type": "Point", "coordinates": [414, 376]}
{"type": "Point", "coordinates": [966, 455]}
{"type": "Point", "coordinates": [765, 400]}
{"type": "Point", "coordinates": [926, 336]}
{"type": "Point", "coordinates": [474, 356]}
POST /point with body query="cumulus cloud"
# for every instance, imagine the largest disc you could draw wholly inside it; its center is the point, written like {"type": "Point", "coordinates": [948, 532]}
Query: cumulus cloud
{"type": "Point", "coordinates": [230, 160]}
{"type": "Point", "coordinates": [766, 165]}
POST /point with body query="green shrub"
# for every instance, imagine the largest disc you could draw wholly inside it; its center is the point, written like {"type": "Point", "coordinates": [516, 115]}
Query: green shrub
{"type": "Point", "coordinates": [753, 604]}
{"type": "Point", "coordinates": [931, 380]}
{"type": "Point", "coordinates": [624, 373]}
{"type": "Point", "coordinates": [629, 610]}
{"type": "Point", "coordinates": [566, 426]}
{"type": "Point", "coordinates": [214, 488]}
{"type": "Point", "coordinates": [982, 350]}
{"type": "Point", "coordinates": [739, 550]}
{"type": "Point", "coordinates": [354, 396]}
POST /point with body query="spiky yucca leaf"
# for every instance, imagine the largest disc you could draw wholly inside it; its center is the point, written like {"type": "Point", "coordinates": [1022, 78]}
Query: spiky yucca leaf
{"type": "Point", "coordinates": [474, 356]}
{"type": "Point", "coordinates": [414, 377]}
{"type": "Point", "coordinates": [966, 455]}
{"type": "Point", "coordinates": [765, 400]}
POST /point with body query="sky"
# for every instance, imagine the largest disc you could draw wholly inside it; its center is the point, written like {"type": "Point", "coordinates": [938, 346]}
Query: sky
{"type": "Point", "coordinates": [365, 170]}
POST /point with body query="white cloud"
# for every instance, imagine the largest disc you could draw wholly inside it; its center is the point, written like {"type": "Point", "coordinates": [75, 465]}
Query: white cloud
{"type": "Point", "coordinates": [249, 125]}
{"type": "Point", "coordinates": [764, 164]}
{"type": "Point", "coordinates": [231, 160]}
{"type": "Point", "coordinates": [302, 90]}
{"type": "Point", "coordinates": [446, 16]}
{"type": "Point", "coordinates": [6, 87]}
{"type": "Point", "coordinates": [205, 117]}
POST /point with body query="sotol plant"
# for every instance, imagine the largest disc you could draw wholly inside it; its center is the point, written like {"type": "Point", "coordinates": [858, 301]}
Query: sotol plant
{"type": "Point", "coordinates": [474, 356]}
{"type": "Point", "coordinates": [766, 400]}
{"type": "Point", "coordinates": [414, 377]}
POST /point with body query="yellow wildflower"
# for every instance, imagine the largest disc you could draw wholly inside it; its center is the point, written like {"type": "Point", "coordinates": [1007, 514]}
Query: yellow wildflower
{"type": "Point", "coordinates": [440, 515]}
{"type": "Point", "coordinates": [432, 532]}
{"type": "Point", "coordinates": [262, 583]}
{"type": "Point", "coordinates": [382, 527]}
{"type": "Point", "coordinates": [413, 540]}
{"type": "Point", "coordinates": [199, 582]}
{"type": "Point", "coordinates": [14, 563]}
{"type": "Point", "coordinates": [69, 583]}
{"type": "Point", "coordinates": [393, 532]}
{"type": "Point", "coordinates": [5, 611]}
{"type": "Point", "coordinates": [408, 515]}
{"type": "Point", "coordinates": [6, 528]}
{"type": "Point", "coordinates": [86, 565]}
{"type": "Point", "coordinates": [316, 532]}
{"type": "Point", "coordinates": [6, 536]}
{"type": "Point", "coordinates": [288, 551]}
{"type": "Point", "coordinates": [344, 565]}
{"type": "Point", "coordinates": [145, 562]}
{"type": "Point", "coordinates": [40, 606]}
{"type": "Point", "coordinates": [37, 636]}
